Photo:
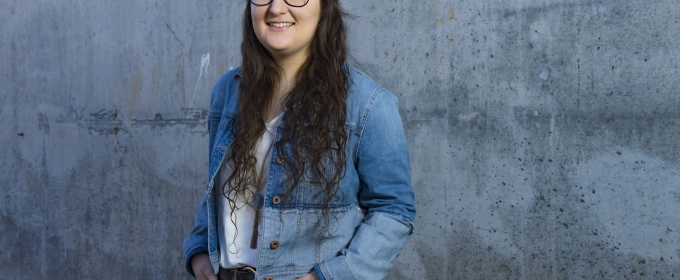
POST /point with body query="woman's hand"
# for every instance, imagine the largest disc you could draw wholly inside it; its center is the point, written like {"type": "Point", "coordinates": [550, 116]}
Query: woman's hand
{"type": "Point", "coordinates": [202, 267]}
{"type": "Point", "coordinates": [310, 276]}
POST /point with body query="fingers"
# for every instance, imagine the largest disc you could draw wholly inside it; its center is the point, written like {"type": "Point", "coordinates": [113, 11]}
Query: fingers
{"type": "Point", "coordinates": [211, 276]}
{"type": "Point", "coordinates": [200, 263]}
{"type": "Point", "coordinates": [206, 274]}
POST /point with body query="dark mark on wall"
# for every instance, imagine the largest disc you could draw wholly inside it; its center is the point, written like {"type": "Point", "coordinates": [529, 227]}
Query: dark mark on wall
{"type": "Point", "coordinates": [21, 134]}
{"type": "Point", "coordinates": [103, 128]}
{"type": "Point", "coordinates": [108, 122]}
{"type": "Point", "coordinates": [43, 123]}
{"type": "Point", "coordinates": [194, 118]}
{"type": "Point", "coordinates": [103, 122]}
{"type": "Point", "coordinates": [111, 115]}
{"type": "Point", "coordinates": [167, 25]}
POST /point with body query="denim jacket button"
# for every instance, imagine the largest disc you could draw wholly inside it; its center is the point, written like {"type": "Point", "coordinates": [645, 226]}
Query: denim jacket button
{"type": "Point", "coordinates": [274, 244]}
{"type": "Point", "coordinates": [280, 159]}
{"type": "Point", "coordinates": [269, 278]}
{"type": "Point", "coordinates": [276, 200]}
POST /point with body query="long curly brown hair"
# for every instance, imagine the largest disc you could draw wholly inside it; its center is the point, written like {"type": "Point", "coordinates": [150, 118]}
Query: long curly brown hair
{"type": "Point", "coordinates": [315, 111]}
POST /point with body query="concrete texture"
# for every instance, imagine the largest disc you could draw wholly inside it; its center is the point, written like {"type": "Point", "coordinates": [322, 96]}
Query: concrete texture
{"type": "Point", "coordinates": [544, 135]}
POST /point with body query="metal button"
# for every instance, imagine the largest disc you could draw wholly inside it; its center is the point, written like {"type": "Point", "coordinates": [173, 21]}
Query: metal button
{"type": "Point", "coordinates": [276, 200]}
{"type": "Point", "coordinates": [280, 159]}
{"type": "Point", "coordinates": [269, 278]}
{"type": "Point", "coordinates": [274, 244]}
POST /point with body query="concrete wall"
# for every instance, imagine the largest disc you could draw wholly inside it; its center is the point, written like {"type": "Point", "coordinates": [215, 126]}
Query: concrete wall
{"type": "Point", "coordinates": [544, 134]}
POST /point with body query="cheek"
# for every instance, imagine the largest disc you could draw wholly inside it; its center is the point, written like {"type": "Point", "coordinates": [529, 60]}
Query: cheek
{"type": "Point", "coordinates": [258, 24]}
{"type": "Point", "coordinates": [311, 24]}
{"type": "Point", "coordinates": [257, 17]}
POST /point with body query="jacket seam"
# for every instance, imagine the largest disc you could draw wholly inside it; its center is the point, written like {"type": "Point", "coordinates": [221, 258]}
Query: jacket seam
{"type": "Point", "coordinates": [351, 271]}
{"type": "Point", "coordinates": [364, 119]}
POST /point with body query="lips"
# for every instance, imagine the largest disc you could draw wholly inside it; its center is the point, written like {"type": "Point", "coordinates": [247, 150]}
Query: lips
{"type": "Point", "coordinates": [281, 24]}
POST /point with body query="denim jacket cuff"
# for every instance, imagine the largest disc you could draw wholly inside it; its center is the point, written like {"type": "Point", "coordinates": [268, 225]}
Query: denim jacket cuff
{"type": "Point", "coordinates": [317, 270]}
{"type": "Point", "coordinates": [335, 269]}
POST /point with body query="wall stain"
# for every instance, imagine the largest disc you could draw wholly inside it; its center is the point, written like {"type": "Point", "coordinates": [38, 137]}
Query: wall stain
{"type": "Point", "coordinates": [43, 123]}
{"type": "Point", "coordinates": [106, 115]}
{"type": "Point", "coordinates": [107, 122]}
{"type": "Point", "coordinates": [438, 18]}
{"type": "Point", "coordinates": [194, 117]}
{"type": "Point", "coordinates": [452, 15]}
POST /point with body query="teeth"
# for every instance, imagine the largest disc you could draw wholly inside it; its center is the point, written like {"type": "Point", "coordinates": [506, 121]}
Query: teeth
{"type": "Point", "coordinates": [280, 24]}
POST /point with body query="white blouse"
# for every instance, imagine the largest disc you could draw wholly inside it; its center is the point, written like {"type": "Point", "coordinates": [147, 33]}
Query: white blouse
{"type": "Point", "coordinates": [236, 253]}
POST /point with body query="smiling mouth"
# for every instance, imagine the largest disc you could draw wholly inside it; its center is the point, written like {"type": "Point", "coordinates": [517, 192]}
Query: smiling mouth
{"type": "Point", "coordinates": [281, 24]}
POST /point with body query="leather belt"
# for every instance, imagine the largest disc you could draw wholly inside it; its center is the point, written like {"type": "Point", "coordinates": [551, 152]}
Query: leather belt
{"type": "Point", "coordinates": [244, 273]}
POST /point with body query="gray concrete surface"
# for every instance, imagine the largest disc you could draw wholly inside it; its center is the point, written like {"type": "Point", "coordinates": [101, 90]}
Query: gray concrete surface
{"type": "Point", "coordinates": [544, 134]}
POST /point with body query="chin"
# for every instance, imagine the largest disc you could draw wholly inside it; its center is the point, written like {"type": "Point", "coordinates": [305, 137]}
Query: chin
{"type": "Point", "coordinates": [282, 51]}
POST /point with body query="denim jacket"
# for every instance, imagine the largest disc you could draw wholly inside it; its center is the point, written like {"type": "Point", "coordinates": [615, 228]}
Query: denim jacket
{"type": "Point", "coordinates": [370, 219]}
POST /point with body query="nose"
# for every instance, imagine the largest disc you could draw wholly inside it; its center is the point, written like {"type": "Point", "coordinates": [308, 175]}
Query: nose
{"type": "Point", "coordinates": [278, 7]}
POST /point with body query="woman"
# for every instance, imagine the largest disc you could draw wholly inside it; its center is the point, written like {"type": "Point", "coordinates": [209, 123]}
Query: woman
{"type": "Point", "coordinates": [309, 170]}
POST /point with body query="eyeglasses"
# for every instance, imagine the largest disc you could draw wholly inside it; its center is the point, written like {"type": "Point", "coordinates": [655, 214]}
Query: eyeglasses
{"type": "Point", "coordinates": [292, 3]}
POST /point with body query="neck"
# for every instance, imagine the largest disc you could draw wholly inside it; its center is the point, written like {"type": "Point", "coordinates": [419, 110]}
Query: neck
{"type": "Point", "coordinates": [290, 64]}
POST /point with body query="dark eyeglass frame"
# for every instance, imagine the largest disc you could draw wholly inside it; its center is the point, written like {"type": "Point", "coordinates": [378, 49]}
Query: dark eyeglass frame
{"type": "Point", "coordinates": [270, 1]}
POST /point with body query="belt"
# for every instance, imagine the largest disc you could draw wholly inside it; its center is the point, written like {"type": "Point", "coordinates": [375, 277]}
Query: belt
{"type": "Point", "coordinates": [244, 273]}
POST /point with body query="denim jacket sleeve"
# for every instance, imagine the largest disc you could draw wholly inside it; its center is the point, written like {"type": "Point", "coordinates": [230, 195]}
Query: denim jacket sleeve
{"type": "Point", "coordinates": [382, 163]}
{"type": "Point", "coordinates": [197, 241]}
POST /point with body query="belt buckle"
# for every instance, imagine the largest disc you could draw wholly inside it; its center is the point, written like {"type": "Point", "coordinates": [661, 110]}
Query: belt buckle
{"type": "Point", "coordinates": [247, 268]}
{"type": "Point", "coordinates": [245, 273]}
{"type": "Point", "coordinates": [242, 273]}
